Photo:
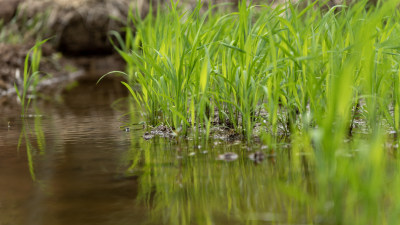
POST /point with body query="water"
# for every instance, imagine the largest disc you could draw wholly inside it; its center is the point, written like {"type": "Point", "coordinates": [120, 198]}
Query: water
{"type": "Point", "coordinates": [77, 165]}
{"type": "Point", "coordinates": [77, 173]}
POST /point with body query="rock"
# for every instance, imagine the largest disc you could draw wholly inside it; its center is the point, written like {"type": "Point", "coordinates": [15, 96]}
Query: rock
{"type": "Point", "coordinates": [148, 136]}
{"type": "Point", "coordinates": [8, 9]}
{"type": "Point", "coordinates": [82, 26]}
{"type": "Point", "coordinates": [257, 157]}
{"type": "Point", "coordinates": [229, 156]}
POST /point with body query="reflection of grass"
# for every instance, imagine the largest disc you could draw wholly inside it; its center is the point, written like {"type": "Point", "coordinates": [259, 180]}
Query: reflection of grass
{"type": "Point", "coordinates": [25, 136]}
{"type": "Point", "coordinates": [292, 187]}
{"type": "Point", "coordinates": [201, 190]}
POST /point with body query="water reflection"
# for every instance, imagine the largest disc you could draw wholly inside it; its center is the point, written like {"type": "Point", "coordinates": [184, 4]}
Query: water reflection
{"type": "Point", "coordinates": [77, 165]}
{"type": "Point", "coordinates": [37, 131]}
{"type": "Point", "coordinates": [180, 187]}
{"type": "Point", "coordinates": [87, 170]}
{"type": "Point", "coordinates": [69, 168]}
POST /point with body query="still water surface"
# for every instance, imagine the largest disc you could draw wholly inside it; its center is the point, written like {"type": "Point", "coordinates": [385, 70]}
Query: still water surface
{"type": "Point", "coordinates": [76, 165]}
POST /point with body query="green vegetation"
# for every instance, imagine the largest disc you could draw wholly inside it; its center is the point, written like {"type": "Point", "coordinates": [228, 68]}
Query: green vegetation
{"type": "Point", "coordinates": [22, 29]}
{"type": "Point", "coordinates": [34, 140]}
{"type": "Point", "coordinates": [289, 187]}
{"type": "Point", "coordinates": [327, 78]}
{"type": "Point", "coordinates": [31, 76]}
{"type": "Point", "coordinates": [31, 79]}
{"type": "Point", "coordinates": [297, 69]}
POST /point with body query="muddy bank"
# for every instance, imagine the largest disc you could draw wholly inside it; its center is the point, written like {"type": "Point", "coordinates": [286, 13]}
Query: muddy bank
{"type": "Point", "coordinates": [78, 46]}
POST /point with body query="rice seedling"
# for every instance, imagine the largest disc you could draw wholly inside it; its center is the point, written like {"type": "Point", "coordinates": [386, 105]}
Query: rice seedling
{"type": "Point", "coordinates": [30, 75]}
{"type": "Point", "coordinates": [328, 78]}
{"type": "Point", "coordinates": [282, 65]}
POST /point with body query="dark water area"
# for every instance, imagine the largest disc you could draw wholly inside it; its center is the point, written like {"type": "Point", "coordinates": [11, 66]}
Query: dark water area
{"type": "Point", "coordinates": [77, 165]}
{"type": "Point", "coordinates": [77, 171]}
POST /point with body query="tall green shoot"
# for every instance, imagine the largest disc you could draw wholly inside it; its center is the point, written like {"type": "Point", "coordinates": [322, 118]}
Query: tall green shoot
{"type": "Point", "coordinates": [30, 75]}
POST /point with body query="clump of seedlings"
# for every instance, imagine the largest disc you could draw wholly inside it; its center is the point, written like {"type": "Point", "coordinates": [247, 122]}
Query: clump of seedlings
{"type": "Point", "coordinates": [287, 68]}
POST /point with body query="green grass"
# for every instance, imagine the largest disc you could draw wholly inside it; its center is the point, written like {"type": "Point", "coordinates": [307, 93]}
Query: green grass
{"type": "Point", "coordinates": [297, 68]}
{"type": "Point", "coordinates": [31, 76]}
{"type": "Point", "coordinates": [327, 78]}
{"type": "Point", "coordinates": [22, 29]}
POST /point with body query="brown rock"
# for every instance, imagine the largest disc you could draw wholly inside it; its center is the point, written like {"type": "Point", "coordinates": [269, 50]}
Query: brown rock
{"type": "Point", "coordinates": [82, 26]}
